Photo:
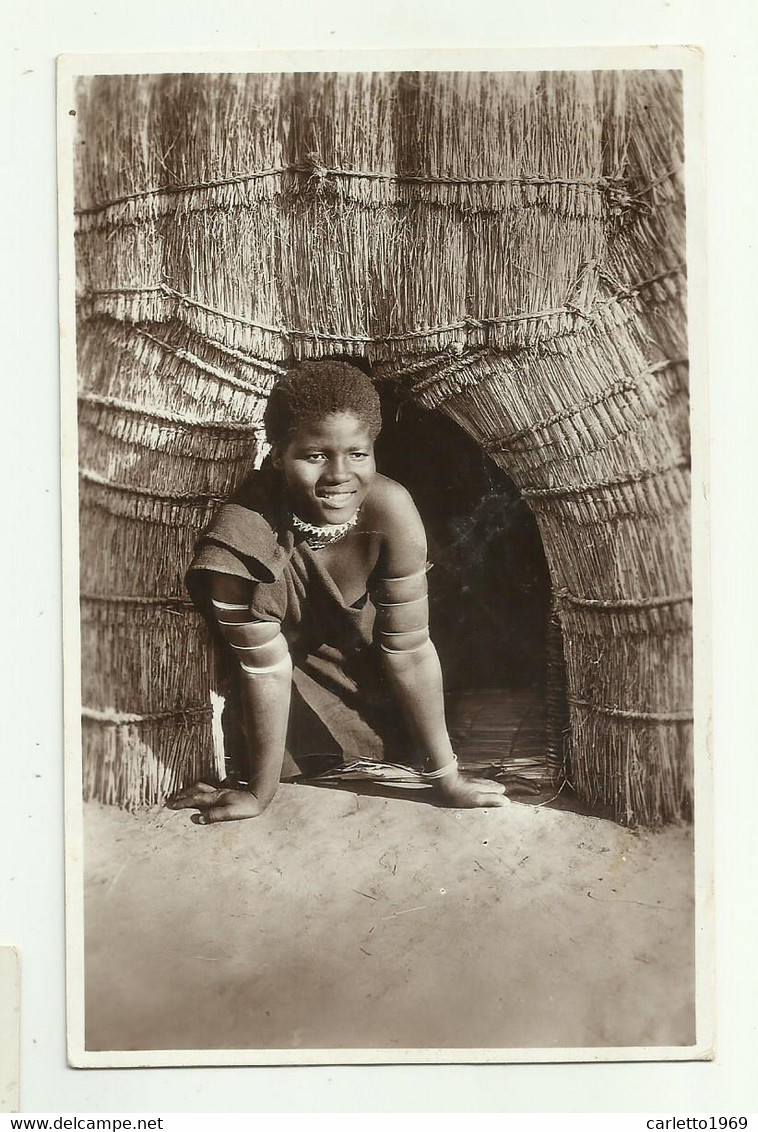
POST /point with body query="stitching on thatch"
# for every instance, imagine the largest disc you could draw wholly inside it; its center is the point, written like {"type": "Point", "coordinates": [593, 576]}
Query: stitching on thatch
{"type": "Point", "coordinates": [230, 428]}
{"type": "Point", "coordinates": [588, 183]}
{"type": "Point", "coordinates": [632, 714]}
{"type": "Point", "coordinates": [667, 176]}
{"type": "Point", "coordinates": [238, 355]}
{"type": "Point", "coordinates": [220, 375]}
{"type": "Point", "coordinates": [199, 460]}
{"type": "Point", "coordinates": [501, 442]}
{"type": "Point", "coordinates": [318, 171]}
{"type": "Point", "coordinates": [449, 366]}
{"type": "Point", "coordinates": [623, 603]}
{"type": "Point", "coordinates": [187, 301]}
{"type": "Point", "coordinates": [169, 602]}
{"type": "Point", "coordinates": [559, 445]}
{"type": "Point", "coordinates": [128, 290]}
{"type": "Point", "coordinates": [122, 718]}
{"type": "Point", "coordinates": [171, 190]}
{"type": "Point", "coordinates": [466, 322]}
{"type": "Point", "coordinates": [635, 288]}
{"type": "Point", "coordinates": [143, 492]}
{"type": "Point", "coordinates": [431, 388]}
{"type": "Point", "coordinates": [440, 368]}
{"type": "Point", "coordinates": [183, 522]}
{"type": "Point", "coordinates": [395, 370]}
{"type": "Point", "coordinates": [600, 485]}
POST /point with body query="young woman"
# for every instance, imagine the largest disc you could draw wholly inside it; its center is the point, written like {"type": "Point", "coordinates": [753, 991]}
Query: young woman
{"type": "Point", "coordinates": [315, 575]}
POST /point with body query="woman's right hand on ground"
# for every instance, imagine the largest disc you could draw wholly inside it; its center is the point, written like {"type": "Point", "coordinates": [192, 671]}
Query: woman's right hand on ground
{"type": "Point", "coordinates": [469, 793]}
{"type": "Point", "coordinates": [216, 803]}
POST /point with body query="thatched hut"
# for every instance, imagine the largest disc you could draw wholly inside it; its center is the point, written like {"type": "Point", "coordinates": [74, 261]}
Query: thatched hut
{"type": "Point", "coordinates": [507, 249]}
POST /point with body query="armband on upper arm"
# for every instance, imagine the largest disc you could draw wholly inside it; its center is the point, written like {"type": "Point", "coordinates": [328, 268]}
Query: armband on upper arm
{"type": "Point", "coordinates": [259, 646]}
{"type": "Point", "coordinates": [402, 613]}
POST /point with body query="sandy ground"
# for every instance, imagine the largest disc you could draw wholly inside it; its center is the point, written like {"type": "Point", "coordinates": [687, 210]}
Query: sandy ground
{"type": "Point", "coordinates": [345, 920]}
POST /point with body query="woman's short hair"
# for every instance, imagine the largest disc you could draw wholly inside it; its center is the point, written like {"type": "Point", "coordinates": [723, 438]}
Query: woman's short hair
{"type": "Point", "coordinates": [316, 389]}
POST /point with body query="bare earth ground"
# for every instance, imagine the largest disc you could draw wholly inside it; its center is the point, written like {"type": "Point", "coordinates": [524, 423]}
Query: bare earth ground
{"type": "Point", "coordinates": [342, 920]}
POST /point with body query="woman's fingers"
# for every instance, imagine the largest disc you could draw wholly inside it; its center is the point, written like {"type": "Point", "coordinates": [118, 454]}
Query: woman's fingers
{"type": "Point", "coordinates": [213, 814]}
{"type": "Point", "coordinates": [230, 805]}
{"type": "Point", "coordinates": [198, 795]}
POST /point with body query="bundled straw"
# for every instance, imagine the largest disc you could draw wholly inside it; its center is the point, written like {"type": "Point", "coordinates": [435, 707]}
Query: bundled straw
{"type": "Point", "coordinates": [556, 706]}
{"type": "Point", "coordinates": [507, 247]}
{"type": "Point", "coordinates": [135, 762]}
{"type": "Point", "coordinates": [320, 181]}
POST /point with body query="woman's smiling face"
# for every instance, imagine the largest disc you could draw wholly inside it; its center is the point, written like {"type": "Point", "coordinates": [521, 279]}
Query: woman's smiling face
{"type": "Point", "coordinates": [328, 467]}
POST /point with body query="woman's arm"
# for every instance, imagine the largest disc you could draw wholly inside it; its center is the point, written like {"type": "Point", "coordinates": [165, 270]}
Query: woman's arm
{"type": "Point", "coordinates": [265, 686]}
{"type": "Point", "coordinates": [409, 656]}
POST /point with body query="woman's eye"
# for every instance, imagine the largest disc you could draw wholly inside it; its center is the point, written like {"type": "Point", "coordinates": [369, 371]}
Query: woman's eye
{"type": "Point", "coordinates": [359, 455]}
{"type": "Point", "coordinates": [315, 457]}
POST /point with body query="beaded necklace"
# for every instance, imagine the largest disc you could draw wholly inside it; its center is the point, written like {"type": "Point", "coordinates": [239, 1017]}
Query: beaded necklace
{"type": "Point", "coordinates": [319, 537]}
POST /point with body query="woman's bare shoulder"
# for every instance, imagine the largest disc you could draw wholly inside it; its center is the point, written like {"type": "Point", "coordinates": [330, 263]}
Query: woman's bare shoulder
{"type": "Point", "coordinates": [388, 503]}
{"type": "Point", "coordinates": [391, 512]}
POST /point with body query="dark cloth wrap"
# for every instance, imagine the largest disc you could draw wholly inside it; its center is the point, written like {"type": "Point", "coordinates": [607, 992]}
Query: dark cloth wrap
{"type": "Point", "coordinates": [341, 707]}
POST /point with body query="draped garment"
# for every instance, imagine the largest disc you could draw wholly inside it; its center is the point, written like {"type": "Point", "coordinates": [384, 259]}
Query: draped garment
{"type": "Point", "coordinates": [341, 706]}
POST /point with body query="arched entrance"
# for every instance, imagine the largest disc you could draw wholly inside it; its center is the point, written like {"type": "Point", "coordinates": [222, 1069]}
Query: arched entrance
{"type": "Point", "coordinates": [489, 590]}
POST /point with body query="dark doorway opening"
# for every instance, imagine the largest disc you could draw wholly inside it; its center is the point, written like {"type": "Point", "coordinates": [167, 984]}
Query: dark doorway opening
{"type": "Point", "coordinates": [489, 587]}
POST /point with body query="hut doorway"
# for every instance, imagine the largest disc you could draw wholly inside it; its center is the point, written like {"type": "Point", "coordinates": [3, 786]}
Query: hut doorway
{"type": "Point", "coordinates": [490, 592]}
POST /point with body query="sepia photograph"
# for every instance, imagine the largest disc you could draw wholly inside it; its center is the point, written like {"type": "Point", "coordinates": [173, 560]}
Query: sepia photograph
{"type": "Point", "coordinates": [381, 737]}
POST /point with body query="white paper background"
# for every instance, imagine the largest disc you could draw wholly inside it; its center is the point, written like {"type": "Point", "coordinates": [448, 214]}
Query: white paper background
{"type": "Point", "coordinates": [31, 827]}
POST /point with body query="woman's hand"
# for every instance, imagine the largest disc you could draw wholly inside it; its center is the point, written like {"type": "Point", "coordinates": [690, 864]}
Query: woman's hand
{"type": "Point", "coordinates": [469, 793]}
{"type": "Point", "coordinates": [216, 803]}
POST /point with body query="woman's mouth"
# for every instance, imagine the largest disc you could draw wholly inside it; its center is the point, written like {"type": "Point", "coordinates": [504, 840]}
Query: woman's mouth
{"type": "Point", "coordinates": [334, 499]}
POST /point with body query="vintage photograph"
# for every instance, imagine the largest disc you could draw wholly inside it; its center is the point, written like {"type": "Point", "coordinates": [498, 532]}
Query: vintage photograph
{"type": "Point", "coordinates": [384, 577]}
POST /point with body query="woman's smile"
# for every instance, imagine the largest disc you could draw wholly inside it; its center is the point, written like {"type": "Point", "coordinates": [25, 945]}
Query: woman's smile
{"type": "Point", "coordinates": [328, 466]}
{"type": "Point", "coordinates": [335, 498]}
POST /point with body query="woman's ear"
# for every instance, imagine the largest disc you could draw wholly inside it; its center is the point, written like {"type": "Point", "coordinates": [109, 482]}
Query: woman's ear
{"type": "Point", "coordinates": [276, 457]}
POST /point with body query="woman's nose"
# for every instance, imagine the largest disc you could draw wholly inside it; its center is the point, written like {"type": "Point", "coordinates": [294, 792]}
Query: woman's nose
{"type": "Point", "coordinates": [337, 469]}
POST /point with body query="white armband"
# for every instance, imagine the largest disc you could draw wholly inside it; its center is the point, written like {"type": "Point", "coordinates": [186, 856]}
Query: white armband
{"type": "Point", "coordinates": [402, 613]}
{"type": "Point", "coordinates": [259, 646]}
